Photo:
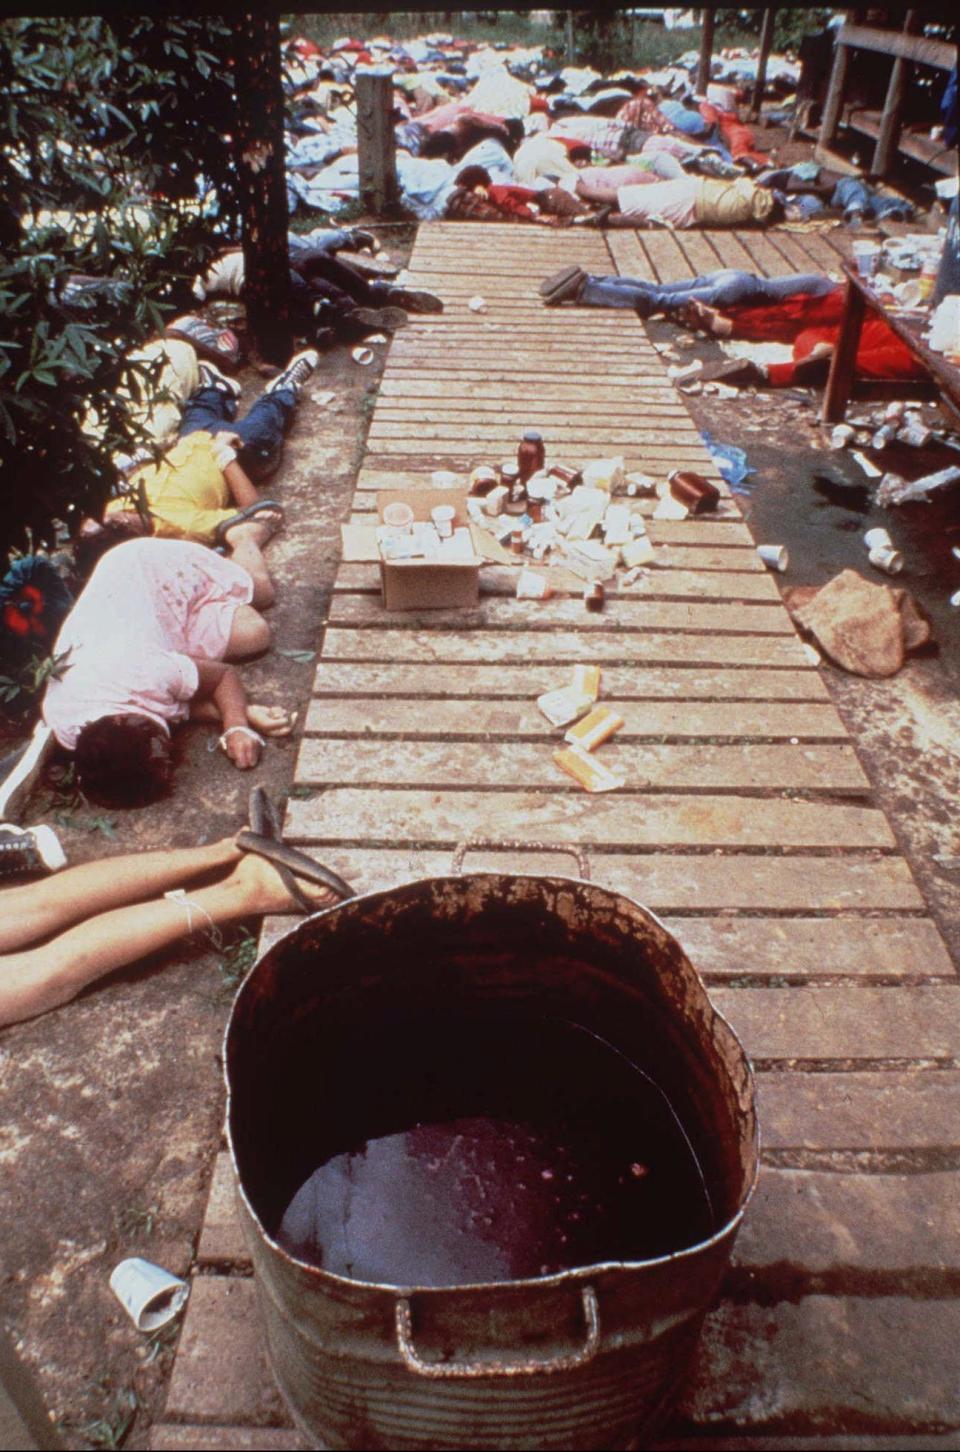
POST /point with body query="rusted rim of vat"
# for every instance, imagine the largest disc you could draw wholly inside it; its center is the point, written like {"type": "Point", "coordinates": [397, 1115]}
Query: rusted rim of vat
{"type": "Point", "coordinates": [727, 1230]}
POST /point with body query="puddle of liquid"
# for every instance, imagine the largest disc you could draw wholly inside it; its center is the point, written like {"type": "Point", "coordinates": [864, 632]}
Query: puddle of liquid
{"type": "Point", "coordinates": [512, 1150]}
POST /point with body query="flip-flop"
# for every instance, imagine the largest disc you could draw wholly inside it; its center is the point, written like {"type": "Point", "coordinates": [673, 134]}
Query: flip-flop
{"type": "Point", "coordinates": [290, 864]}
{"type": "Point", "coordinates": [251, 512]}
{"type": "Point", "coordinates": [262, 816]}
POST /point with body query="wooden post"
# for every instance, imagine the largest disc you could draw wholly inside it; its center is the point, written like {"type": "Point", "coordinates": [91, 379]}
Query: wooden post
{"type": "Point", "coordinates": [831, 106]}
{"type": "Point", "coordinates": [889, 133]}
{"type": "Point", "coordinates": [766, 40]}
{"type": "Point", "coordinates": [843, 365]}
{"type": "Point", "coordinates": [571, 54]}
{"type": "Point", "coordinates": [258, 150]}
{"type": "Point", "coordinates": [706, 53]}
{"type": "Point", "coordinates": [376, 144]}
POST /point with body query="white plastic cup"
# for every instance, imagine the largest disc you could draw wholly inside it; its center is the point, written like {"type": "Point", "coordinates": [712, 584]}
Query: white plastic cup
{"type": "Point", "coordinates": [776, 556]}
{"type": "Point", "coordinates": [150, 1295]}
{"type": "Point", "coordinates": [909, 294]}
{"type": "Point", "coordinates": [866, 255]}
{"type": "Point", "coordinates": [878, 539]}
{"type": "Point", "coordinates": [890, 561]}
{"type": "Point", "coordinates": [442, 516]}
{"type": "Point", "coordinates": [841, 436]}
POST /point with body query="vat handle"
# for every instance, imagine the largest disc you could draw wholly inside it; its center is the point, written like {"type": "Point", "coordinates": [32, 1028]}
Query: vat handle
{"type": "Point", "coordinates": [458, 1370]}
{"type": "Point", "coordinates": [499, 844]}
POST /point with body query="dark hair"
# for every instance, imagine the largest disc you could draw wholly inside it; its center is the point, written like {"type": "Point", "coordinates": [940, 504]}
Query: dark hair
{"type": "Point", "coordinates": [514, 133]}
{"type": "Point", "coordinates": [439, 144]}
{"type": "Point", "coordinates": [473, 176]}
{"type": "Point", "coordinates": [89, 549]}
{"type": "Point", "coordinates": [123, 761]}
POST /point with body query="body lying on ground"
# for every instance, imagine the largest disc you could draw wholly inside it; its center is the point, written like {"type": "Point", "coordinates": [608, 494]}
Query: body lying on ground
{"type": "Point", "coordinates": [145, 646]}
{"type": "Point", "coordinates": [201, 489]}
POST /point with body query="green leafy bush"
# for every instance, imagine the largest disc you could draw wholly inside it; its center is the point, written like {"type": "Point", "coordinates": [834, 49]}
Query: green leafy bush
{"type": "Point", "coordinates": [113, 130]}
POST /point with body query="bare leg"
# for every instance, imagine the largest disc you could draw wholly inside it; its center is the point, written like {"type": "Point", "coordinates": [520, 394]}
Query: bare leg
{"type": "Point", "coordinates": [246, 542]}
{"type": "Point", "coordinates": [249, 634]}
{"type": "Point", "coordinates": [35, 981]}
{"type": "Point", "coordinates": [36, 910]}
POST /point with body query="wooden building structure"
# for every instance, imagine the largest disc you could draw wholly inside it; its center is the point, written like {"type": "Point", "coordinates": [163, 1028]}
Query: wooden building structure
{"type": "Point", "coordinates": [909, 49]}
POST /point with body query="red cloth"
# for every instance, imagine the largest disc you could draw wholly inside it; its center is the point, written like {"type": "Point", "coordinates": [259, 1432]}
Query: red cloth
{"type": "Point", "coordinates": [736, 137]}
{"type": "Point", "coordinates": [806, 321]}
{"type": "Point", "coordinates": [512, 201]}
{"type": "Point", "coordinates": [540, 103]}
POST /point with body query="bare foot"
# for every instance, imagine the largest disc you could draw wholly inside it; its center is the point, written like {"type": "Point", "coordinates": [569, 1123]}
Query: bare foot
{"type": "Point", "coordinates": [703, 319]}
{"type": "Point", "coordinates": [264, 892]}
{"type": "Point", "coordinates": [271, 720]}
{"type": "Point", "coordinates": [259, 530]}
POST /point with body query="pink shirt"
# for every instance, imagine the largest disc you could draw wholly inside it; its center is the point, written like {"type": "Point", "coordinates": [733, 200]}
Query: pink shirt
{"type": "Point", "coordinates": [150, 608]}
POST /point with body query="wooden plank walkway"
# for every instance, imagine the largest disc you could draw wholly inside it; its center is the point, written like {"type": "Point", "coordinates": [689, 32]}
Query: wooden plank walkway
{"type": "Point", "coordinates": [746, 822]}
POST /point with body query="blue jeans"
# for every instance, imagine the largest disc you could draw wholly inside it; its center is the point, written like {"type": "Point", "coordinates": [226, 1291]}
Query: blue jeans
{"type": "Point", "coordinates": [261, 431]}
{"type": "Point", "coordinates": [727, 288]}
{"type": "Point", "coordinates": [852, 195]}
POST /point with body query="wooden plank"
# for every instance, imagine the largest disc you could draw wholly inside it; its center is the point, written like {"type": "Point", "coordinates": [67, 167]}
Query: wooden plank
{"type": "Point", "coordinates": [731, 252]}
{"type": "Point", "coordinates": [795, 258]}
{"type": "Point", "coordinates": [647, 458]}
{"type": "Point", "coordinates": [619, 615]}
{"type": "Point", "coordinates": [666, 882]}
{"type": "Point", "coordinates": [668, 259]}
{"type": "Point", "coordinates": [617, 683]}
{"type": "Point", "coordinates": [438, 386]}
{"type": "Point", "coordinates": [413, 717]}
{"type": "Point", "coordinates": [517, 647]}
{"type": "Point", "coordinates": [462, 763]}
{"type": "Point", "coordinates": [767, 261]}
{"type": "Point", "coordinates": [406, 817]}
{"type": "Point", "coordinates": [698, 251]}
{"type": "Point", "coordinates": [628, 256]}
{"type": "Point", "coordinates": [547, 414]}
{"type": "Point", "coordinates": [813, 947]}
{"type": "Point", "coordinates": [501, 580]}
{"type": "Point", "coordinates": [886, 1111]}
{"type": "Point", "coordinates": [673, 562]}
{"type": "Point", "coordinates": [850, 1022]}
{"type": "Point", "coordinates": [412, 423]}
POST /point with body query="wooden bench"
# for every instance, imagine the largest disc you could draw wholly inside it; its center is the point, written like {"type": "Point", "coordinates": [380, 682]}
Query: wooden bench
{"type": "Point", "coordinates": [944, 377]}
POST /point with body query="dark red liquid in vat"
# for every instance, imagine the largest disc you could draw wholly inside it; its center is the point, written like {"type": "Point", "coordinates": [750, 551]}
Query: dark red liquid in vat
{"type": "Point", "coordinates": [514, 1149]}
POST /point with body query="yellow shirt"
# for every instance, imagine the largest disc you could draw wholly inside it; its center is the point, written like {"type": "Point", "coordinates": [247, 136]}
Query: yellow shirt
{"type": "Point", "coordinates": [186, 493]}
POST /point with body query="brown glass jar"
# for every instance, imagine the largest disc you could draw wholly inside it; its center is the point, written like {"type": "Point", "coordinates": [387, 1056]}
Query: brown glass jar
{"type": "Point", "coordinates": [530, 455]}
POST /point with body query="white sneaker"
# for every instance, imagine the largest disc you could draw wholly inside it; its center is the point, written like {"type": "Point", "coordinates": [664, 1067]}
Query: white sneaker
{"type": "Point", "coordinates": [27, 766]}
{"type": "Point", "coordinates": [296, 373]}
{"type": "Point", "coordinates": [211, 377]}
{"type": "Point", "coordinates": [29, 850]}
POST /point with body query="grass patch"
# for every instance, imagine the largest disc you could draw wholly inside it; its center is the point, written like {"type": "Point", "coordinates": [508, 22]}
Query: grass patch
{"type": "Point", "coordinates": [238, 958]}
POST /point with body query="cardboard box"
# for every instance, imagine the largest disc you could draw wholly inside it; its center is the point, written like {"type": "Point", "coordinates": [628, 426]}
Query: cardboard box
{"type": "Point", "coordinates": [430, 584]}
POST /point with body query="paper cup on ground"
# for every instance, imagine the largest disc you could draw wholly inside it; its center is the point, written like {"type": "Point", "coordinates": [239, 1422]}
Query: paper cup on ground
{"type": "Point", "coordinates": [888, 560]}
{"type": "Point", "coordinates": [363, 356]}
{"type": "Point", "coordinates": [877, 539]}
{"type": "Point", "coordinates": [776, 556]}
{"type": "Point", "coordinates": [477, 304]}
{"type": "Point", "coordinates": [150, 1295]}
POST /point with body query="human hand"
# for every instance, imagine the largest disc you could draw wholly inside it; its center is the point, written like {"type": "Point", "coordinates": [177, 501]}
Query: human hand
{"type": "Point", "coordinates": [243, 746]}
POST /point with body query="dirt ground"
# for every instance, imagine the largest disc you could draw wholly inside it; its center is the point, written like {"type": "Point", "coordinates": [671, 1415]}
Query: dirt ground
{"type": "Point", "coordinates": [112, 1108]}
